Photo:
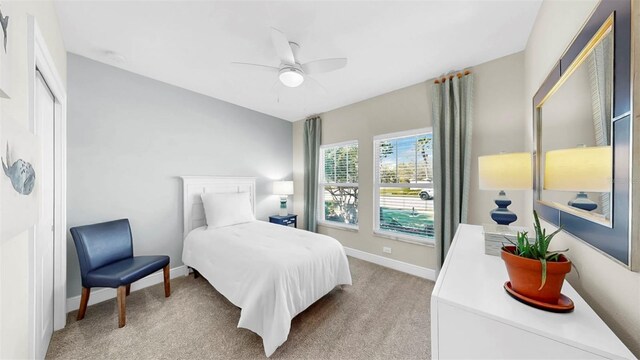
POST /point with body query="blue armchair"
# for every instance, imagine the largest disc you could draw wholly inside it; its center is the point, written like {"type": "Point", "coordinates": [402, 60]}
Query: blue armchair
{"type": "Point", "coordinates": [105, 252]}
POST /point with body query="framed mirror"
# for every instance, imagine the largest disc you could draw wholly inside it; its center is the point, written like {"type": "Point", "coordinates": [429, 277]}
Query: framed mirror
{"type": "Point", "coordinates": [582, 127]}
{"type": "Point", "coordinates": [574, 124]}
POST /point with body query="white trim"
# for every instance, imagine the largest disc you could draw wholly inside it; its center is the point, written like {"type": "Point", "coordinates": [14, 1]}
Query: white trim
{"type": "Point", "coordinates": [104, 294]}
{"type": "Point", "coordinates": [39, 57]}
{"type": "Point", "coordinates": [405, 238]}
{"type": "Point", "coordinates": [340, 144]}
{"type": "Point", "coordinates": [404, 267]}
{"type": "Point", "coordinates": [338, 225]}
{"type": "Point", "coordinates": [403, 134]}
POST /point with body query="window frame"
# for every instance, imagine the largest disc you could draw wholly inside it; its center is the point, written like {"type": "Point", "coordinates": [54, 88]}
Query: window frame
{"type": "Point", "coordinates": [321, 185]}
{"type": "Point", "coordinates": [377, 185]}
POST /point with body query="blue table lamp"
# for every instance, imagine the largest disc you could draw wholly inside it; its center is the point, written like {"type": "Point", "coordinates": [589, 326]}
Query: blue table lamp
{"type": "Point", "coordinates": [504, 172]}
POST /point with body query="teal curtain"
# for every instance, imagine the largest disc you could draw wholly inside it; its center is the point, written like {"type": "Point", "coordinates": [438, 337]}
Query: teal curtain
{"type": "Point", "coordinates": [312, 138]}
{"type": "Point", "coordinates": [452, 101]}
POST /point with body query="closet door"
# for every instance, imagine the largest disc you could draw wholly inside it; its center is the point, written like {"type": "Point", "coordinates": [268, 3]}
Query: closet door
{"type": "Point", "coordinates": [44, 247]}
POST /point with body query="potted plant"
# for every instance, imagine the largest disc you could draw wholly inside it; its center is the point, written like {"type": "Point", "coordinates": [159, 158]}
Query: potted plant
{"type": "Point", "coordinates": [534, 271]}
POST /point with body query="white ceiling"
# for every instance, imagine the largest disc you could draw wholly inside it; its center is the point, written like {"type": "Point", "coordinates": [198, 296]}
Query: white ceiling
{"type": "Point", "coordinates": [389, 44]}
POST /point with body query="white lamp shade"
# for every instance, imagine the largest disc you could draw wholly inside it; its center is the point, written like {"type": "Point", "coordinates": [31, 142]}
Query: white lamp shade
{"type": "Point", "coordinates": [291, 78]}
{"type": "Point", "coordinates": [588, 169]}
{"type": "Point", "coordinates": [505, 172]}
{"type": "Point", "coordinates": [283, 187]}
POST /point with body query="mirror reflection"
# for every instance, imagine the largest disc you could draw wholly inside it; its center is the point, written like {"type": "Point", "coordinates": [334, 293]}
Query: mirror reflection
{"type": "Point", "coordinates": [575, 135]}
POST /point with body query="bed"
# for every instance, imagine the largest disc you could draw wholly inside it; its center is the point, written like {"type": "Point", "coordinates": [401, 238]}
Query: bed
{"type": "Point", "coordinates": [271, 272]}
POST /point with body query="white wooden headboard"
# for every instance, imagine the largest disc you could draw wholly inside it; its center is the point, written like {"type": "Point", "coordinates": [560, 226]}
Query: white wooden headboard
{"type": "Point", "coordinates": [193, 186]}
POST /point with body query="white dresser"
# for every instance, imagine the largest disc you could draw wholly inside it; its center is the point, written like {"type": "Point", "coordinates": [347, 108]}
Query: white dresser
{"type": "Point", "coordinates": [473, 317]}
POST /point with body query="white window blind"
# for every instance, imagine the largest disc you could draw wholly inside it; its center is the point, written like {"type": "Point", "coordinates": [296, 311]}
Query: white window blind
{"type": "Point", "coordinates": [403, 183]}
{"type": "Point", "coordinates": [338, 185]}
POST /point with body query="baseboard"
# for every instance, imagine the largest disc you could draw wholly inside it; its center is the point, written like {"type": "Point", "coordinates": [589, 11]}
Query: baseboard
{"type": "Point", "coordinates": [104, 294]}
{"type": "Point", "coordinates": [404, 267]}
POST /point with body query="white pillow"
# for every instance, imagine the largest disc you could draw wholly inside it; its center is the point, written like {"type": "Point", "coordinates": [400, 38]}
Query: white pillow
{"type": "Point", "coordinates": [224, 209]}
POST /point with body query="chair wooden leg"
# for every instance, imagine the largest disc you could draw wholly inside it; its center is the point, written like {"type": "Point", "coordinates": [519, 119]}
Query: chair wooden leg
{"type": "Point", "coordinates": [122, 307]}
{"type": "Point", "coordinates": [84, 300]}
{"type": "Point", "coordinates": [167, 281]}
{"type": "Point", "coordinates": [128, 289]}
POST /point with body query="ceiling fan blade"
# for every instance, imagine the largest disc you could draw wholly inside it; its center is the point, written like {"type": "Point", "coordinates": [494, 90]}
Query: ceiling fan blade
{"type": "Point", "coordinates": [258, 66]}
{"type": "Point", "coordinates": [282, 46]}
{"type": "Point", "coordinates": [324, 65]}
{"type": "Point", "coordinates": [315, 84]}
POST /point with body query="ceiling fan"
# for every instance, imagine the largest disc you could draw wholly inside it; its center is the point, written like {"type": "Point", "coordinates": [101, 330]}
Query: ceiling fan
{"type": "Point", "coordinates": [291, 73]}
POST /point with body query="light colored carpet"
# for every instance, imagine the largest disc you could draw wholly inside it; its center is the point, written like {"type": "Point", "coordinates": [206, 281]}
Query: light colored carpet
{"type": "Point", "coordinates": [384, 315]}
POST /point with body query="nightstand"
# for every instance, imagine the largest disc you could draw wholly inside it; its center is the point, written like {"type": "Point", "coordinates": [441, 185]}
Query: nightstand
{"type": "Point", "coordinates": [284, 220]}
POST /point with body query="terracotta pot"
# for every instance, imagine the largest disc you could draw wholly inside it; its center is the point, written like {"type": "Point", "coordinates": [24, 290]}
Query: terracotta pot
{"type": "Point", "coordinates": [526, 275]}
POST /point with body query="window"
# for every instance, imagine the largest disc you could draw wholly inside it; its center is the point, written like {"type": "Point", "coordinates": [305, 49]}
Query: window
{"type": "Point", "coordinates": [403, 185]}
{"type": "Point", "coordinates": [338, 184]}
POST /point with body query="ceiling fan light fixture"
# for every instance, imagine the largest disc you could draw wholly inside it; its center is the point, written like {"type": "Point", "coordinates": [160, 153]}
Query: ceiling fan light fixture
{"type": "Point", "coordinates": [291, 77]}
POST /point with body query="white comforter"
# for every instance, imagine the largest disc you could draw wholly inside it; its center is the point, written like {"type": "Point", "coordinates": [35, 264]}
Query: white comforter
{"type": "Point", "coordinates": [272, 272]}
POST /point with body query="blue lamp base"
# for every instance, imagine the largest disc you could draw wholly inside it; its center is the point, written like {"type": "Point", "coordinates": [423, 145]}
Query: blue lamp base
{"type": "Point", "coordinates": [501, 214]}
{"type": "Point", "coordinates": [583, 202]}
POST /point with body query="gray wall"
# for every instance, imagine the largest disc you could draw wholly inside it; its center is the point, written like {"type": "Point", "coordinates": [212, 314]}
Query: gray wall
{"type": "Point", "coordinates": [131, 137]}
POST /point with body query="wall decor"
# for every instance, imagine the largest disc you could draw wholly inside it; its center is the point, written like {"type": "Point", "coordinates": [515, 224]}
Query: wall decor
{"type": "Point", "coordinates": [583, 136]}
{"type": "Point", "coordinates": [4, 70]}
{"type": "Point", "coordinates": [4, 22]}
{"type": "Point", "coordinates": [20, 172]}
{"type": "Point", "coordinates": [18, 179]}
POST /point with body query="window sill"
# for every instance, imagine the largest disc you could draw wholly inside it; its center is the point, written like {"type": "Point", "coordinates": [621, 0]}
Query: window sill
{"type": "Point", "coordinates": [339, 226]}
{"type": "Point", "coordinates": [404, 238]}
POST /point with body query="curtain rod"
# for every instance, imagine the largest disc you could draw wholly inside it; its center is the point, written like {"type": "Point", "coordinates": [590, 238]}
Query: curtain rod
{"type": "Point", "coordinates": [444, 78]}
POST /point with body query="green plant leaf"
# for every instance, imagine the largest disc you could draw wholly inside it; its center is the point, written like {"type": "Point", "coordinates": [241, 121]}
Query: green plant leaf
{"type": "Point", "coordinates": [555, 254]}
{"type": "Point", "coordinates": [512, 243]}
{"type": "Point", "coordinates": [536, 225]}
{"type": "Point", "coordinates": [554, 233]}
{"type": "Point", "coordinates": [544, 273]}
{"type": "Point", "coordinates": [539, 248]}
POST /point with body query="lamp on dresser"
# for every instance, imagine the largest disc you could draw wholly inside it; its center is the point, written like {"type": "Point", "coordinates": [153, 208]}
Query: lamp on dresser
{"type": "Point", "coordinates": [581, 169]}
{"type": "Point", "coordinates": [504, 172]}
{"type": "Point", "coordinates": [284, 189]}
